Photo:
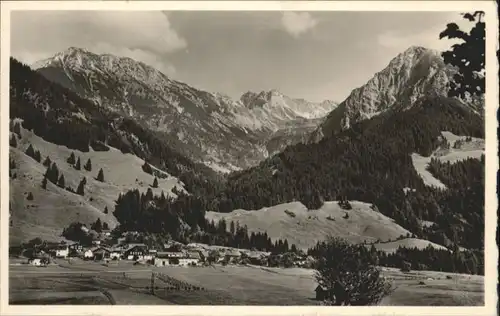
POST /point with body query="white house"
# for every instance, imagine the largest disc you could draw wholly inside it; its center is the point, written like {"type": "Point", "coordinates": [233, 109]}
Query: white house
{"type": "Point", "coordinates": [191, 258]}
{"type": "Point", "coordinates": [35, 262]}
{"type": "Point", "coordinates": [88, 254]}
{"type": "Point", "coordinates": [115, 253]}
{"type": "Point", "coordinates": [62, 252]}
{"type": "Point", "coordinates": [167, 258]}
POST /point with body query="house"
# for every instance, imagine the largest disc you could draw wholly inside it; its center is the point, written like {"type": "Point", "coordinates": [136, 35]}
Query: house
{"type": "Point", "coordinates": [88, 254]}
{"type": "Point", "coordinates": [190, 258]}
{"type": "Point", "coordinates": [61, 251]}
{"type": "Point", "coordinates": [135, 251]}
{"type": "Point", "coordinates": [115, 253]}
{"type": "Point", "coordinates": [322, 293]}
{"type": "Point", "coordinates": [101, 253]}
{"type": "Point", "coordinates": [35, 262]}
{"type": "Point", "coordinates": [167, 258]}
{"type": "Point", "coordinates": [75, 247]}
{"type": "Point", "coordinates": [232, 255]}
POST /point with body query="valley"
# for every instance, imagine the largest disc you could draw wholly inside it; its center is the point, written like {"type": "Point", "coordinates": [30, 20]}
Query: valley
{"type": "Point", "coordinates": [122, 176]}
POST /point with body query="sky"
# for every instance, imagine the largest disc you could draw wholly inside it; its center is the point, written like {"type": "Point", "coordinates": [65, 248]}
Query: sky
{"type": "Point", "coordinates": [311, 55]}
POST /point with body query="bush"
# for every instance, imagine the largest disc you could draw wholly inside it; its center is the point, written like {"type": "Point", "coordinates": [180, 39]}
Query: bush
{"type": "Point", "coordinates": [349, 274]}
{"type": "Point", "coordinates": [405, 266]}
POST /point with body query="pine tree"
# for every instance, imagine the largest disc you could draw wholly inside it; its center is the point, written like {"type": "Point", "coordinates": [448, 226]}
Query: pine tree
{"type": "Point", "coordinates": [100, 175]}
{"type": "Point", "coordinates": [71, 159]}
{"type": "Point", "coordinates": [81, 188]}
{"type": "Point", "coordinates": [105, 226]}
{"type": "Point", "coordinates": [88, 165]}
{"type": "Point", "coordinates": [147, 168]}
{"type": "Point", "coordinates": [38, 156]}
{"type": "Point", "coordinates": [97, 226]}
{"type": "Point", "coordinates": [78, 164]}
{"type": "Point", "coordinates": [17, 129]}
{"type": "Point", "coordinates": [30, 151]}
{"type": "Point", "coordinates": [13, 141]}
{"type": "Point", "coordinates": [47, 162]}
{"type": "Point", "coordinates": [30, 196]}
{"type": "Point", "coordinates": [155, 183]}
{"type": "Point", "coordinates": [61, 182]}
{"type": "Point", "coordinates": [106, 210]}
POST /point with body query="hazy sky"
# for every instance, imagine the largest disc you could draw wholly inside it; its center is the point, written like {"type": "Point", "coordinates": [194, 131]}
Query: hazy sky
{"type": "Point", "coordinates": [312, 55]}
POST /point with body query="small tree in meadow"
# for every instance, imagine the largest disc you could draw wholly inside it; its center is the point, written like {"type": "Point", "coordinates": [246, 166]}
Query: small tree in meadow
{"type": "Point", "coordinates": [88, 165]}
{"type": "Point", "coordinates": [71, 160]}
{"type": "Point", "coordinates": [100, 176]}
{"type": "Point", "coordinates": [349, 274]}
{"type": "Point", "coordinates": [78, 165]}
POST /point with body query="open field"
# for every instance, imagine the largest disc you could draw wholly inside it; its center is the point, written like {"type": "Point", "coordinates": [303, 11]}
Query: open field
{"type": "Point", "coordinates": [305, 228]}
{"type": "Point", "coordinates": [125, 284]}
{"type": "Point", "coordinates": [472, 149]}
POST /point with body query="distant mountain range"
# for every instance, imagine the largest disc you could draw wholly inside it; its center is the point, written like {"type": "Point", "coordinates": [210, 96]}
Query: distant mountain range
{"type": "Point", "coordinates": [212, 128]}
{"type": "Point", "coordinates": [290, 150]}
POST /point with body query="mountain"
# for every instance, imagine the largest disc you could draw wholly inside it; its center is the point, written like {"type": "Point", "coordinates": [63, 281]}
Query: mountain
{"type": "Point", "coordinates": [372, 162]}
{"type": "Point", "coordinates": [412, 75]}
{"type": "Point", "coordinates": [53, 122]}
{"type": "Point", "coordinates": [210, 128]}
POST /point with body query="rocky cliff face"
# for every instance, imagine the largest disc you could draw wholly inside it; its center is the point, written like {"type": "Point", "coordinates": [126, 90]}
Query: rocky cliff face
{"type": "Point", "coordinates": [212, 128]}
{"type": "Point", "coordinates": [416, 73]}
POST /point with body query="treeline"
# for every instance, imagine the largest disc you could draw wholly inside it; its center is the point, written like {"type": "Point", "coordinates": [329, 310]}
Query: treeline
{"type": "Point", "coordinates": [429, 258]}
{"type": "Point", "coordinates": [60, 116]}
{"type": "Point", "coordinates": [145, 212]}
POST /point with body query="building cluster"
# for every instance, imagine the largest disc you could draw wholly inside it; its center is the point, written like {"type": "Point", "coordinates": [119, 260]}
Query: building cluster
{"type": "Point", "coordinates": [171, 254]}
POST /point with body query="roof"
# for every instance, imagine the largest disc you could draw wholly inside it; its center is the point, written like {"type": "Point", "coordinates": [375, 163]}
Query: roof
{"type": "Point", "coordinates": [131, 246]}
{"type": "Point", "coordinates": [233, 252]}
{"type": "Point", "coordinates": [319, 287]}
{"type": "Point", "coordinates": [99, 248]}
{"type": "Point", "coordinates": [193, 255]}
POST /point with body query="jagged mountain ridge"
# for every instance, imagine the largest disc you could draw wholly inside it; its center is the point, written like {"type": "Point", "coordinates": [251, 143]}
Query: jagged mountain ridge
{"type": "Point", "coordinates": [415, 74]}
{"type": "Point", "coordinates": [208, 127]}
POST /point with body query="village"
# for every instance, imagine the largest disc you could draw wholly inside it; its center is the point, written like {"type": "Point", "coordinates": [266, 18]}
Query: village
{"type": "Point", "coordinates": [105, 249]}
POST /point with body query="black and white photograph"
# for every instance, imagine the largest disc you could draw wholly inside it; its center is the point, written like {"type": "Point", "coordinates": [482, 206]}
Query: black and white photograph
{"type": "Point", "coordinates": [239, 157]}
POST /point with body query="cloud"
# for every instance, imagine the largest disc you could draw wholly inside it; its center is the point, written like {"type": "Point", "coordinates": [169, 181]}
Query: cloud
{"type": "Point", "coordinates": [145, 36]}
{"type": "Point", "coordinates": [297, 23]}
{"type": "Point", "coordinates": [428, 38]}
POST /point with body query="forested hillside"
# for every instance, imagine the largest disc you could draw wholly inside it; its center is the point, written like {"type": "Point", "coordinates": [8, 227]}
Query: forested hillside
{"type": "Point", "coordinates": [371, 162]}
{"type": "Point", "coordinates": [61, 117]}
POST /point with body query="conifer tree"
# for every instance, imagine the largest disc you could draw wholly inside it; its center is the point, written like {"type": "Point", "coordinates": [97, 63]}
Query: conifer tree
{"type": "Point", "coordinates": [17, 129]}
{"type": "Point", "coordinates": [106, 210]}
{"type": "Point", "coordinates": [38, 156]}
{"type": "Point", "coordinates": [88, 165]}
{"type": "Point", "coordinates": [13, 141]}
{"type": "Point", "coordinates": [30, 196]}
{"type": "Point", "coordinates": [155, 183]}
{"type": "Point", "coordinates": [100, 175]}
{"type": "Point", "coordinates": [47, 162]}
{"type": "Point", "coordinates": [30, 151]}
{"type": "Point", "coordinates": [61, 183]}
{"type": "Point", "coordinates": [71, 159]}
{"type": "Point", "coordinates": [78, 164]}
{"type": "Point", "coordinates": [81, 188]}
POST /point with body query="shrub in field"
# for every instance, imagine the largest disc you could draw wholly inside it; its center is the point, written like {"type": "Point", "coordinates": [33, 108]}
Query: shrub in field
{"type": "Point", "coordinates": [405, 266]}
{"type": "Point", "coordinates": [349, 274]}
